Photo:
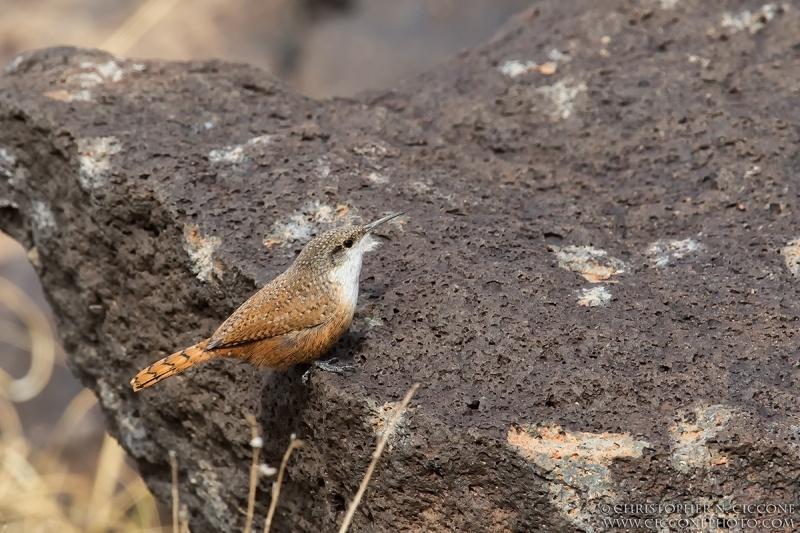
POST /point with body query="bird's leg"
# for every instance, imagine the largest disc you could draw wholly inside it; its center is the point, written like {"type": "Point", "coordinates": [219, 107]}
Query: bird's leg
{"type": "Point", "coordinates": [328, 365]}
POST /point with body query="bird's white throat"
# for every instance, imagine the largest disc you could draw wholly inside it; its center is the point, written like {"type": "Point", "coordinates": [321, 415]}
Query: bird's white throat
{"type": "Point", "coordinates": [346, 275]}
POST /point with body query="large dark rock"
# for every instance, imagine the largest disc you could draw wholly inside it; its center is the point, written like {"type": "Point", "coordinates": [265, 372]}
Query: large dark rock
{"type": "Point", "coordinates": [156, 197]}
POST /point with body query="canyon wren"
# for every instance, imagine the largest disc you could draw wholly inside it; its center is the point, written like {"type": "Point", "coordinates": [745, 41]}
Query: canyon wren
{"type": "Point", "coordinates": [296, 318]}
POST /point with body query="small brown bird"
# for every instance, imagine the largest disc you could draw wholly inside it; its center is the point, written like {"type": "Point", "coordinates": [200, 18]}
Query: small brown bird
{"type": "Point", "coordinates": [294, 319]}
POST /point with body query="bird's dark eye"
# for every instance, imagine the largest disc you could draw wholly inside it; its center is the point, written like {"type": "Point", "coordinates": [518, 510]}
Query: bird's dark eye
{"type": "Point", "coordinates": [348, 243]}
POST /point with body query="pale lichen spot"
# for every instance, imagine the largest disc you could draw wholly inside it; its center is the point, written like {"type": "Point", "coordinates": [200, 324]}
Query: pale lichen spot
{"type": "Point", "coordinates": [376, 149]}
{"type": "Point", "coordinates": [201, 253]}
{"type": "Point", "coordinates": [381, 415]}
{"type": "Point", "coordinates": [667, 4]}
{"type": "Point", "coordinates": [559, 99]}
{"type": "Point", "coordinates": [593, 264]}
{"type": "Point", "coordinates": [312, 218]}
{"type": "Point", "coordinates": [7, 163]}
{"type": "Point", "coordinates": [322, 167]}
{"type": "Point", "coordinates": [753, 22]}
{"type": "Point", "coordinates": [576, 465]}
{"type": "Point", "coordinates": [791, 256]}
{"type": "Point", "coordinates": [690, 451]}
{"type": "Point", "coordinates": [89, 74]}
{"type": "Point", "coordinates": [594, 297]}
{"type": "Point", "coordinates": [666, 252]}
{"type": "Point", "coordinates": [209, 487]}
{"type": "Point", "coordinates": [94, 156]}
{"type": "Point", "coordinates": [43, 216]}
{"type": "Point", "coordinates": [62, 95]}
{"type": "Point", "coordinates": [514, 67]}
{"type": "Point", "coordinates": [237, 154]}
{"type": "Point", "coordinates": [377, 178]}
{"type": "Point", "coordinates": [694, 58]}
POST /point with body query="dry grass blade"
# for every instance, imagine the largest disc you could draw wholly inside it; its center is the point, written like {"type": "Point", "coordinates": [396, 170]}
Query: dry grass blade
{"type": "Point", "coordinates": [43, 347]}
{"type": "Point", "coordinates": [37, 490]}
{"type": "Point", "coordinates": [11, 426]}
{"type": "Point", "coordinates": [351, 511]}
{"type": "Point", "coordinates": [140, 22]}
{"type": "Point", "coordinates": [255, 443]}
{"type": "Point", "coordinates": [276, 488]}
{"type": "Point", "coordinates": [112, 457]}
{"type": "Point", "coordinates": [173, 461]}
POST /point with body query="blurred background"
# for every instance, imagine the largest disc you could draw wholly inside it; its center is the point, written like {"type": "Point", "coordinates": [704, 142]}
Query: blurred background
{"type": "Point", "coordinates": [322, 47]}
{"type": "Point", "coordinates": [58, 469]}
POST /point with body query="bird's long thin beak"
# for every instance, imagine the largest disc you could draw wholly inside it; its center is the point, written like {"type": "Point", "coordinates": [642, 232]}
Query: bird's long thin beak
{"type": "Point", "coordinates": [372, 225]}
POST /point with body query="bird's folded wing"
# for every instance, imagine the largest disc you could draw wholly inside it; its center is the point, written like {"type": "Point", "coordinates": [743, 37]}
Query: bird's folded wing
{"type": "Point", "coordinates": [279, 308]}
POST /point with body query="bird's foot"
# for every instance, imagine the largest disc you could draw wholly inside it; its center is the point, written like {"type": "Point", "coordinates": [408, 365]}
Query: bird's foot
{"type": "Point", "coordinates": [328, 365]}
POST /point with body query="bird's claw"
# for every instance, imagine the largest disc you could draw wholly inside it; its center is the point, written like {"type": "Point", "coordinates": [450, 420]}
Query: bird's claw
{"type": "Point", "coordinates": [329, 365]}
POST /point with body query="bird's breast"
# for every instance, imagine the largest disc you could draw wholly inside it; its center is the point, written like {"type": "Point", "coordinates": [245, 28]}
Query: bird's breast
{"type": "Point", "coordinates": [345, 278]}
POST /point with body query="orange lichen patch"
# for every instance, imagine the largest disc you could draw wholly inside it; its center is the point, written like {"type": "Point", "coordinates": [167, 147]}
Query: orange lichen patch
{"type": "Point", "coordinates": [718, 458]}
{"type": "Point", "coordinates": [381, 415]}
{"type": "Point", "coordinates": [554, 443]}
{"type": "Point", "coordinates": [548, 68]}
{"type": "Point", "coordinates": [593, 264]}
{"type": "Point", "coordinates": [575, 464]}
{"type": "Point", "coordinates": [83, 95]}
{"type": "Point", "coordinates": [690, 451]}
{"type": "Point", "coordinates": [271, 241]}
{"type": "Point", "coordinates": [201, 250]}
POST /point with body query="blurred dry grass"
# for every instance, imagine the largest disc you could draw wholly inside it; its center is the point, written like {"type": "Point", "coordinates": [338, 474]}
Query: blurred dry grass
{"type": "Point", "coordinates": [322, 47]}
{"type": "Point", "coordinates": [39, 489]}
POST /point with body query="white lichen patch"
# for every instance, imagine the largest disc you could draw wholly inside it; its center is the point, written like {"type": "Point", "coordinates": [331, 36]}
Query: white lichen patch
{"type": "Point", "coordinates": [752, 22]}
{"type": "Point", "coordinates": [7, 163]}
{"type": "Point", "coordinates": [210, 488]}
{"type": "Point", "coordinates": [515, 68]}
{"type": "Point", "coordinates": [89, 74]}
{"type": "Point", "coordinates": [377, 149]}
{"type": "Point", "coordinates": [322, 168]}
{"type": "Point", "coordinates": [200, 249]}
{"type": "Point", "coordinates": [666, 252]}
{"type": "Point", "coordinates": [594, 297]}
{"type": "Point", "coordinates": [576, 465]}
{"type": "Point", "coordinates": [237, 154]}
{"type": "Point", "coordinates": [381, 415]}
{"type": "Point", "coordinates": [314, 217]}
{"type": "Point", "coordinates": [420, 187]}
{"type": "Point", "coordinates": [559, 56]}
{"type": "Point", "coordinates": [704, 62]}
{"type": "Point", "coordinates": [593, 264]}
{"type": "Point", "coordinates": [43, 216]}
{"type": "Point", "coordinates": [690, 451]}
{"type": "Point", "coordinates": [791, 256]}
{"type": "Point", "coordinates": [755, 170]}
{"type": "Point", "coordinates": [377, 178]}
{"type": "Point", "coordinates": [94, 156]}
{"type": "Point", "coordinates": [667, 4]}
{"type": "Point", "coordinates": [559, 99]}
